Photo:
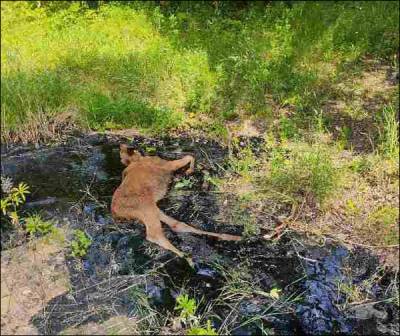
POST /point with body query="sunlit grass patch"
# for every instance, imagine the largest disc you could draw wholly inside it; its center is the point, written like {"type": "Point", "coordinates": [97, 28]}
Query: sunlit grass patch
{"type": "Point", "coordinates": [53, 62]}
{"type": "Point", "coordinates": [364, 211]}
{"type": "Point", "coordinates": [383, 222]}
{"type": "Point", "coordinates": [102, 112]}
{"type": "Point", "coordinates": [226, 69]}
{"type": "Point", "coordinates": [389, 131]}
{"type": "Point", "coordinates": [305, 171]}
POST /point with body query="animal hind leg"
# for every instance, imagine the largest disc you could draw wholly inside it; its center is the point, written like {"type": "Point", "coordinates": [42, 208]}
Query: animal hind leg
{"type": "Point", "coordinates": [154, 232]}
{"type": "Point", "coordinates": [178, 226]}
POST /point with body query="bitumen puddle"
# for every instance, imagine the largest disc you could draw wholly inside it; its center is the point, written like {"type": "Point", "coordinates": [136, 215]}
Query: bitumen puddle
{"type": "Point", "coordinates": [73, 183]}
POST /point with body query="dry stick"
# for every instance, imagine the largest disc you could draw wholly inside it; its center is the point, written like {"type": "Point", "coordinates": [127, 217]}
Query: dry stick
{"type": "Point", "coordinates": [364, 303]}
{"type": "Point", "coordinates": [286, 221]}
{"type": "Point", "coordinates": [209, 160]}
{"type": "Point", "coordinates": [229, 143]}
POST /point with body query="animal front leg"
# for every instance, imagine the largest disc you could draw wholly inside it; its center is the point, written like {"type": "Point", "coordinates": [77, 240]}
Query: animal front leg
{"type": "Point", "coordinates": [178, 226]}
{"type": "Point", "coordinates": [177, 164]}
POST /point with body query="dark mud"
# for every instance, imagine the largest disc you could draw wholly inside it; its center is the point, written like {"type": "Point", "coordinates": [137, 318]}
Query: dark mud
{"type": "Point", "coordinates": [73, 182]}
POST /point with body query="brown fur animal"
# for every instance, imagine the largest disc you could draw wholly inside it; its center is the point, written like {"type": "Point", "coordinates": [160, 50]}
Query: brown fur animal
{"type": "Point", "coordinates": [145, 181]}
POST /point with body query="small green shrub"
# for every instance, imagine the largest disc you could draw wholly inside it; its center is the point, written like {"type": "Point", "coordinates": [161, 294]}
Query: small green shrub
{"type": "Point", "coordinates": [15, 196]}
{"type": "Point", "coordinates": [80, 244]}
{"type": "Point", "coordinates": [287, 128]}
{"type": "Point", "coordinates": [209, 330]}
{"type": "Point", "coordinates": [186, 306]}
{"type": "Point", "coordinates": [36, 225]}
{"type": "Point", "coordinates": [304, 171]}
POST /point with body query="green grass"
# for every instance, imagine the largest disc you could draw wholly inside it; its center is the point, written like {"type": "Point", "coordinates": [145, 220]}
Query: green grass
{"type": "Point", "coordinates": [384, 224]}
{"type": "Point", "coordinates": [102, 112]}
{"type": "Point", "coordinates": [389, 132]}
{"type": "Point", "coordinates": [136, 65]}
{"type": "Point", "coordinates": [304, 172]}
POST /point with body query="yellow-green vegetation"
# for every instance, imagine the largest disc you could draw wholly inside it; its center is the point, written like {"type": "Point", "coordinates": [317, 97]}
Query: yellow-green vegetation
{"type": "Point", "coordinates": [208, 330]}
{"type": "Point", "coordinates": [15, 196]}
{"type": "Point", "coordinates": [384, 221]}
{"type": "Point", "coordinates": [36, 225]}
{"type": "Point", "coordinates": [138, 64]}
{"type": "Point", "coordinates": [244, 163]}
{"type": "Point", "coordinates": [187, 308]}
{"type": "Point", "coordinates": [389, 132]}
{"type": "Point", "coordinates": [80, 244]}
{"type": "Point", "coordinates": [302, 172]}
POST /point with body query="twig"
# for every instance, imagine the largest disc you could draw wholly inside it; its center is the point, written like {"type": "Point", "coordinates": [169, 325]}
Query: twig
{"type": "Point", "coordinates": [300, 256]}
{"type": "Point", "coordinates": [363, 303]}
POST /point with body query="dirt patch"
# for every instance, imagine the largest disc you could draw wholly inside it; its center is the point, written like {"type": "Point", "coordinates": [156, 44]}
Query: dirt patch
{"type": "Point", "coordinates": [352, 115]}
{"type": "Point", "coordinates": [31, 276]}
{"type": "Point", "coordinates": [117, 325]}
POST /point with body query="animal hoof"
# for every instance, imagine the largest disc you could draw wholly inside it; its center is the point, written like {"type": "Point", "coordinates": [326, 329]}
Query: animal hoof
{"type": "Point", "coordinates": [189, 171]}
{"type": "Point", "coordinates": [190, 262]}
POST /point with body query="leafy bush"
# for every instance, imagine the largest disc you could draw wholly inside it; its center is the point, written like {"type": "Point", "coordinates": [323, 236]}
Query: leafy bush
{"type": "Point", "coordinates": [15, 197]}
{"type": "Point", "coordinates": [80, 244]}
{"type": "Point", "coordinates": [36, 225]}
{"type": "Point", "coordinates": [187, 308]}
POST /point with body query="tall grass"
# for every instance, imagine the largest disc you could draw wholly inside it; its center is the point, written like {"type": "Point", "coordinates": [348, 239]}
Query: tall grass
{"type": "Point", "coordinates": [389, 132]}
{"type": "Point", "coordinates": [303, 172]}
{"type": "Point", "coordinates": [187, 57]}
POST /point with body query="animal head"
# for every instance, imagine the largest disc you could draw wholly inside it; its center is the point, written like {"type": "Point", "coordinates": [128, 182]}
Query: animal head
{"type": "Point", "coordinates": [128, 155]}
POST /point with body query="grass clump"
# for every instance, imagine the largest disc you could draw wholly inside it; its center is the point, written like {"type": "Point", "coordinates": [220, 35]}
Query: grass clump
{"type": "Point", "coordinates": [306, 172]}
{"type": "Point", "coordinates": [389, 132]}
{"type": "Point", "coordinates": [384, 222]}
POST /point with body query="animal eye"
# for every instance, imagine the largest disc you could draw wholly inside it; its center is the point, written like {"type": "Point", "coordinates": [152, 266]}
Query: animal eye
{"type": "Point", "coordinates": [130, 151]}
